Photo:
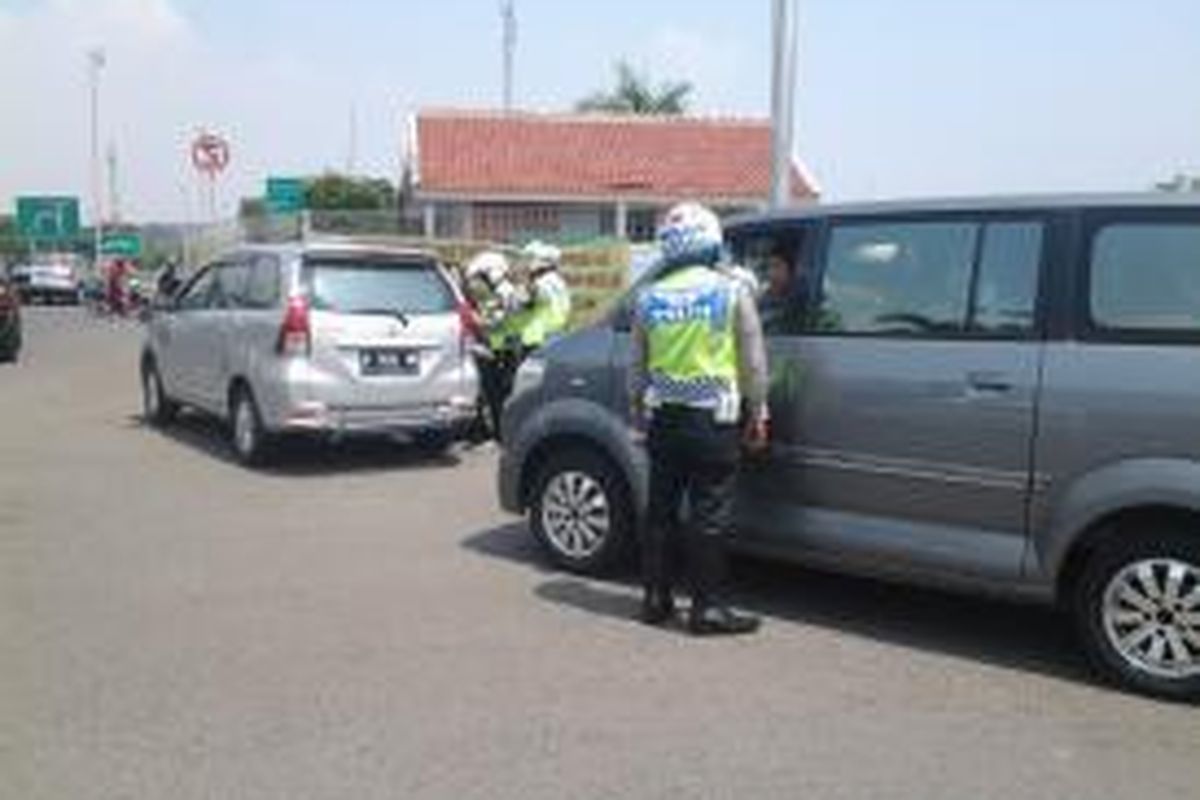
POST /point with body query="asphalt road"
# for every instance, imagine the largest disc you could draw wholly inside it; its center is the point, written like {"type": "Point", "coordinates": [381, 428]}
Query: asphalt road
{"type": "Point", "coordinates": [364, 624]}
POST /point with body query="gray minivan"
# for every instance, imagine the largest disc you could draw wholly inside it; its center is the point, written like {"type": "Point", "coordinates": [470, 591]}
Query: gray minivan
{"type": "Point", "coordinates": [1000, 396]}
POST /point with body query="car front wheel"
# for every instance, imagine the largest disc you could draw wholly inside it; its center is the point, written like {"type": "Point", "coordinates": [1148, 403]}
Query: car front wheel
{"type": "Point", "coordinates": [1138, 610]}
{"type": "Point", "coordinates": [580, 512]}
{"type": "Point", "coordinates": [157, 408]}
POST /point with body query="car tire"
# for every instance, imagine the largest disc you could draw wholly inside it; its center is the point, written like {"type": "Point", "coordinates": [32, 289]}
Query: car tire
{"type": "Point", "coordinates": [1137, 608]}
{"type": "Point", "coordinates": [158, 409]}
{"type": "Point", "coordinates": [251, 444]}
{"type": "Point", "coordinates": [580, 512]}
{"type": "Point", "coordinates": [433, 443]}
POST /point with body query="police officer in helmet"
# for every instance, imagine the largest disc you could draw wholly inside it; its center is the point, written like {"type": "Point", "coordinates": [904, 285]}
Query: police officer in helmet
{"type": "Point", "coordinates": [498, 303]}
{"type": "Point", "coordinates": [549, 295]}
{"type": "Point", "coordinates": [698, 385]}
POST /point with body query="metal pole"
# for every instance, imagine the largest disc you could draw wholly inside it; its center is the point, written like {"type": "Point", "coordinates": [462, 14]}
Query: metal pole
{"type": "Point", "coordinates": [185, 241]}
{"type": "Point", "coordinates": [96, 62]}
{"type": "Point", "coordinates": [783, 93]}
{"type": "Point", "coordinates": [509, 15]}
{"type": "Point", "coordinates": [352, 150]}
{"type": "Point", "coordinates": [114, 196]}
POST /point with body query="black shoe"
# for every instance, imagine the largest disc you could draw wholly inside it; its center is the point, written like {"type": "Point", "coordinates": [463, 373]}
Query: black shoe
{"type": "Point", "coordinates": [720, 621]}
{"type": "Point", "coordinates": [658, 607]}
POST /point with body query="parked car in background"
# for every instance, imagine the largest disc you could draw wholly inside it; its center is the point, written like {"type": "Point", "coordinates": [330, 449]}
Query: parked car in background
{"type": "Point", "coordinates": [10, 320]}
{"type": "Point", "coordinates": [49, 278]}
{"type": "Point", "coordinates": [999, 396]}
{"type": "Point", "coordinates": [330, 340]}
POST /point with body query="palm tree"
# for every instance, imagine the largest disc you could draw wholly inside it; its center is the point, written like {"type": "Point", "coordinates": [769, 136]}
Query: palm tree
{"type": "Point", "coordinates": [635, 95]}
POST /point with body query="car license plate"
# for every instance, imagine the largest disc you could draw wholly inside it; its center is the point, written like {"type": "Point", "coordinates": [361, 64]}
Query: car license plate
{"type": "Point", "coordinates": [388, 362]}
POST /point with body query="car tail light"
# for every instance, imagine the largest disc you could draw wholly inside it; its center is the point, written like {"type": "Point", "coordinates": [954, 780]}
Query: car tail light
{"type": "Point", "coordinates": [295, 334]}
{"type": "Point", "coordinates": [470, 329]}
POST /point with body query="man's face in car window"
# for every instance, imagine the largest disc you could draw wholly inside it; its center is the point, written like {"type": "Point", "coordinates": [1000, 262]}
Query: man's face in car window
{"type": "Point", "coordinates": [779, 276]}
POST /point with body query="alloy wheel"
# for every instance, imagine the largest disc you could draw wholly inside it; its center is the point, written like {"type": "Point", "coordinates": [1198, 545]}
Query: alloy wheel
{"type": "Point", "coordinates": [576, 515]}
{"type": "Point", "coordinates": [151, 394]}
{"type": "Point", "coordinates": [245, 427]}
{"type": "Point", "coordinates": [1151, 616]}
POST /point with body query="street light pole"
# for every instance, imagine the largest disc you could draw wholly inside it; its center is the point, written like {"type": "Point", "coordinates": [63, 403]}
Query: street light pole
{"type": "Point", "coordinates": [186, 238]}
{"type": "Point", "coordinates": [508, 16]}
{"type": "Point", "coordinates": [783, 93]}
{"type": "Point", "coordinates": [96, 61]}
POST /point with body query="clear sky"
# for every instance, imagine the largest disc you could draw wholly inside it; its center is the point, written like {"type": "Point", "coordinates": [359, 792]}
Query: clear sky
{"type": "Point", "coordinates": [896, 97]}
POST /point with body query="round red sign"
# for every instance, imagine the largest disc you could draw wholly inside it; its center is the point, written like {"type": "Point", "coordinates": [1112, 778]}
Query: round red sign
{"type": "Point", "coordinates": [210, 153]}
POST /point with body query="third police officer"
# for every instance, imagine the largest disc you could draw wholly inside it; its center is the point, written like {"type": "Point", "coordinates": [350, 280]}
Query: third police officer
{"type": "Point", "coordinates": [698, 385]}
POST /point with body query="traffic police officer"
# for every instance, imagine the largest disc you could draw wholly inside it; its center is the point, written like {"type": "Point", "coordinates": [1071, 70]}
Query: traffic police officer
{"type": "Point", "coordinates": [698, 384]}
{"type": "Point", "coordinates": [517, 321]}
{"type": "Point", "coordinates": [501, 311]}
{"type": "Point", "coordinates": [549, 296]}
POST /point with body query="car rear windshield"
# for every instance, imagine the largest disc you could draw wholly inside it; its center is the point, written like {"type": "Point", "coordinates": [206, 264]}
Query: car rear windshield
{"type": "Point", "coordinates": [377, 286]}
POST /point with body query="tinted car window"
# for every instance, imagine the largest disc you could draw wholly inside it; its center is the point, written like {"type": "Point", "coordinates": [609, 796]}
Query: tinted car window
{"type": "Point", "coordinates": [898, 278]}
{"type": "Point", "coordinates": [967, 277]}
{"type": "Point", "coordinates": [1007, 283]}
{"type": "Point", "coordinates": [231, 285]}
{"type": "Point", "coordinates": [366, 286]}
{"type": "Point", "coordinates": [1146, 277]}
{"type": "Point", "coordinates": [198, 293]}
{"type": "Point", "coordinates": [262, 287]}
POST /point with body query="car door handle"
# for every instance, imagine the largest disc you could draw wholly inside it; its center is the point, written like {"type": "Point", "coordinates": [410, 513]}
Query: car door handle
{"type": "Point", "coordinates": [988, 382]}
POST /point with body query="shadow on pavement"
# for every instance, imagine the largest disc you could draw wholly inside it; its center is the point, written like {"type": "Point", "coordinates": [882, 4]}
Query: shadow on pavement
{"type": "Point", "coordinates": [511, 542]}
{"type": "Point", "coordinates": [600, 599]}
{"type": "Point", "coordinates": [300, 456]}
{"type": "Point", "coordinates": [1028, 638]}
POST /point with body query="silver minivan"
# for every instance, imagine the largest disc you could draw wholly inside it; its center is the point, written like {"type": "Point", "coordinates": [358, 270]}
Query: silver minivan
{"type": "Point", "coordinates": [322, 339]}
{"type": "Point", "coordinates": [998, 396]}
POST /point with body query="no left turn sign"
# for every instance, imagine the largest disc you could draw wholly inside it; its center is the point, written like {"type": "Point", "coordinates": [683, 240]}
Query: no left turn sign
{"type": "Point", "coordinates": [210, 154]}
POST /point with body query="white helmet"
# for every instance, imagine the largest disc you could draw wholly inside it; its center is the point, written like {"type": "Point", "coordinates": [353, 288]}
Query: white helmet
{"type": "Point", "coordinates": [490, 266]}
{"type": "Point", "coordinates": [690, 233]}
{"type": "Point", "coordinates": [542, 256]}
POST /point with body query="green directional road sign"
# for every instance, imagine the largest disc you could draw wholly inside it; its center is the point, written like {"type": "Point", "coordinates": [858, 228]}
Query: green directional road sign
{"type": "Point", "coordinates": [285, 195]}
{"type": "Point", "coordinates": [47, 219]}
{"type": "Point", "coordinates": [128, 245]}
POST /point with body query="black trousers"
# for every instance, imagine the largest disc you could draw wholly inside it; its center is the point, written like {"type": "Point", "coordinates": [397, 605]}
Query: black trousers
{"type": "Point", "coordinates": [496, 376]}
{"type": "Point", "coordinates": [692, 457]}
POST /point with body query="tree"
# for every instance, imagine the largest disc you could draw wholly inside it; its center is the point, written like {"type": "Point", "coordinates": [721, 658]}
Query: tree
{"type": "Point", "coordinates": [634, 94]}
{"type": "Point", "coordinates": [252, 207]}
{"type": "Point", "coordinates": [12, 245]}
{"type": "Point", "coordinates": [1181, 182]}
{"type": "Point", "coordinates": [334, 192]}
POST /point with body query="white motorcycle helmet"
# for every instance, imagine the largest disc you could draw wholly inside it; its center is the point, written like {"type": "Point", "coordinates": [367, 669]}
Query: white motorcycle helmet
{"type": "Point", "coordinates": [690, 234]}
{"type": "Point", "coordinates": [490, 267]}
{"type": "Point", "coordinates": [542, 257]}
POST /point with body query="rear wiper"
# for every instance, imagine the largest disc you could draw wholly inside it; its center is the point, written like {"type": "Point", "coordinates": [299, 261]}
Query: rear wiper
{"type": "Point", "coordinates": [383, 312]}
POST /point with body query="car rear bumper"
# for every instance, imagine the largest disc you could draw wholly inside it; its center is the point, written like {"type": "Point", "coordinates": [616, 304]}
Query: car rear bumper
{"type": "Point", "coordinates": [62, 287]}
{"type": "Point", "coordinates": [40, 290]}
{"type": "Point", "coordinates": [453, 416]}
